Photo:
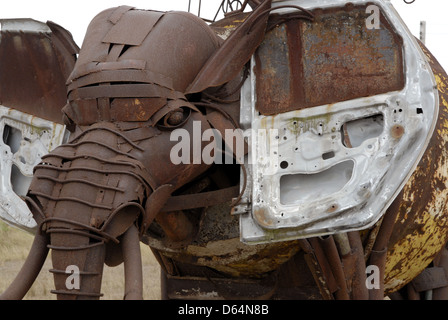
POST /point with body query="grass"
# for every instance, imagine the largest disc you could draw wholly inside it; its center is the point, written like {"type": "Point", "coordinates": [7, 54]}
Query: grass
{"type": "Point", "coordinates": [14, 248]}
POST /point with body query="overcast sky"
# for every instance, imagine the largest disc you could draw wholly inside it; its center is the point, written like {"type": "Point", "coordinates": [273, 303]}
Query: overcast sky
{"type": "Point", "coordinates": [76, 15]}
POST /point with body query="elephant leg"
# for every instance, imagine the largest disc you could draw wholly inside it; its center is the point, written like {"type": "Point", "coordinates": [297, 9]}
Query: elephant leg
{"type": "Point", "coordinates": [30, 269]}
{"type": "Point", "coordinates": [133, 272]}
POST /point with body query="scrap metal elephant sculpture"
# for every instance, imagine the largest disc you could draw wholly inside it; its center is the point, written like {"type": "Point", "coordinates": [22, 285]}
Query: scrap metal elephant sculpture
{"type": "Point", "coordinates": [122, 178]}
{"type": "Point", "coordinates": [93, 197]}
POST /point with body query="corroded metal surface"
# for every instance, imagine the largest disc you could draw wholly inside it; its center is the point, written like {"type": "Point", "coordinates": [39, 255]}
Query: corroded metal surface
{"type": "Point", "coordinates": [420, 230]}
{"type": "Point", "coordinates": [304, 64]}
{"type": "Point", "coordinates": [38, 62]}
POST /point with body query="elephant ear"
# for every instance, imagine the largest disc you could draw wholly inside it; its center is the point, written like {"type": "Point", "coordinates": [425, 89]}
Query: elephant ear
{"type": "Point", "coordinates": [35, 58]}
{"type": "Point", "coordinates": [225, 64]}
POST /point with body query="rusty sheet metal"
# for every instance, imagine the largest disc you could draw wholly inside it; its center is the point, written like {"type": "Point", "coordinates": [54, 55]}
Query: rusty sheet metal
{"type": "Point", "coordinates": [420, 230]}
{"type": "Point", "coordinates": [333, 58]}
{"type": "Point", "coordinates": [216, 245]}
{"type": "Point", "coordinates": [35, 58]}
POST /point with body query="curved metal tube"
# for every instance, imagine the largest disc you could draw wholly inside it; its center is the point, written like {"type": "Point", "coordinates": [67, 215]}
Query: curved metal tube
{"type": "Point", "coordinates": [133, 271]}
{"type": "Point", "coordinates": [30, 269]}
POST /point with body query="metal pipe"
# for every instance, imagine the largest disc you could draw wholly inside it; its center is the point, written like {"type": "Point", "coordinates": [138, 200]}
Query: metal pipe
{"type": "Point", "coordinates": [379, 251]}
{"type": "Point", "coordinates": [341, 240]}
{"type": "Point", "coordinates": [133, 271]}
{"type": "Point", "coordinates": [319, 266]}
{"type": "Point", "coordinates": [331, 252]}
{"type": "Point", "coordinates": [359, 288]}
{"type": "Point", "coordinates": [30, 269]}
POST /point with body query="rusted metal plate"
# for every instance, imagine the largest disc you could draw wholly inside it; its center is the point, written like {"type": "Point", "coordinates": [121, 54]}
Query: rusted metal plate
{"type": "Point", "coordinates": [421, 226]}
{"type": "Point", "coordinates": [333, 58]}
{"type": "Point", "coordinates": [118, 33]}
{"type": "Point", "coordinates": [35, 61]}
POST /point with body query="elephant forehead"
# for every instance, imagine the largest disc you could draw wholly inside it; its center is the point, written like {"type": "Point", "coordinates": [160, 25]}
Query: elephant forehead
{"type": "Point", "coordinates": [135, 62]}
{"type": "Point", "coordinates": [172, 45]}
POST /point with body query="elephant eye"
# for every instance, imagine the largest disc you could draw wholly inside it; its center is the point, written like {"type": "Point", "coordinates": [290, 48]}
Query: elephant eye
{"type": "Point", "coordinates": [174, 118]}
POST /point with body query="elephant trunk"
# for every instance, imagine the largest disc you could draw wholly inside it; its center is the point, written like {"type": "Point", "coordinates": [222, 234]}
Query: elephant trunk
{"type": "Point", "coordinates": [87, 197]}
{"type": "Point", "coordinates": [77, 264]}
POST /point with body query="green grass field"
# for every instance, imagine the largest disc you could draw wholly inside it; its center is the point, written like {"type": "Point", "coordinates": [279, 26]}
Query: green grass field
{"type": "Point", "coordinates": [15, 245]}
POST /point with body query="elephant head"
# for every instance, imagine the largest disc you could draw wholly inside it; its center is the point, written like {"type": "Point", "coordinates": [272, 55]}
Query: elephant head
{"type": "Point", "coordinates": [139, 75]}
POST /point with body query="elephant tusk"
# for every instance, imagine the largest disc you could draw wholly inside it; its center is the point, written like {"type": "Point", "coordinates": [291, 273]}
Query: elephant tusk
{"type": "Point", "coordinates": [154, 204]}
{"type": "Point", "coordinates": [30, 269]}
{"type": "Point", "coordinates": [133, 271]}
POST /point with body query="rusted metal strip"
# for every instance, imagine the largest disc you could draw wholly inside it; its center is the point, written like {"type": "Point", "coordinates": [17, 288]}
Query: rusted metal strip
{"type": "Point", "coordinates": [199, 200]}
{"type": "Point", "coordinates": [77, 294]}
{"type": "Point", "coordinates": [71, 199]}
{"type": "Point", "coordinates": [93, 67]}
{"type": "Point", "coordinates": [228, 61]}
{"type": "Point", "coordinates": [135, 90]}
{"type": "Point", "coordinates": [118, 172]}
{"type": "Point", "coordinates": [114, 52]}
{"type": "Point", "coordinates": [127, 75]}
{"type": "Point", "coordinates": [138, 134]}
{"type": "Point", "coordinates": [118, 13]}
{"type": "Point", "coordinates": [72, 223]}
